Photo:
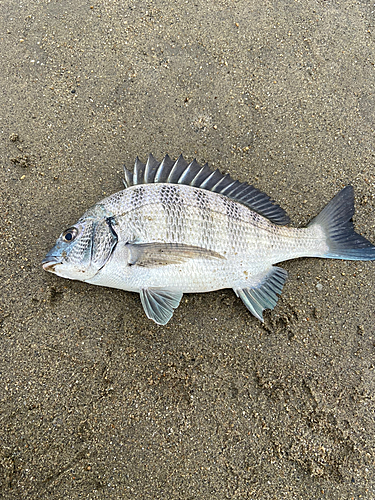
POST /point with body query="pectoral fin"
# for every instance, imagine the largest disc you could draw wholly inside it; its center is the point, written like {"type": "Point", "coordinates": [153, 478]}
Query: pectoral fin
{"type": "Point", "coordinates": [159, 304]}
{"type": "Point", "coordinates": [265, 294]}
{"type": "Point", "coordinates": [162, 254]}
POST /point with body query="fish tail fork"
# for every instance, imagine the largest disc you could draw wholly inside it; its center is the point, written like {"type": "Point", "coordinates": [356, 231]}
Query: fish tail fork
{"type": "Point", "coordinates": [336, 222]}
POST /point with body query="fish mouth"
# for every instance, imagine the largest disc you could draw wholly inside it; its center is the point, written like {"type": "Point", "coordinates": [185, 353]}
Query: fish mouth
{"type": "Point", "coordinates": [49, 262]}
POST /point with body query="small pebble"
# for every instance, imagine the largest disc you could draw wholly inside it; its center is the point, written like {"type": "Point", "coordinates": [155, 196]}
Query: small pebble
{"type": "Point", "coordinates": [14, 137]}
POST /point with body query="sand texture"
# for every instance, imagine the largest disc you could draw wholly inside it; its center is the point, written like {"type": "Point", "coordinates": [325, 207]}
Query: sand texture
{"type": "Point", "coordinates": [98, 402]}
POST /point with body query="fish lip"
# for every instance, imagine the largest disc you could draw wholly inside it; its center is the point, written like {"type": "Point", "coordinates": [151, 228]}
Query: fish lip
{"type": "Point", "coordinates": [49, 262]}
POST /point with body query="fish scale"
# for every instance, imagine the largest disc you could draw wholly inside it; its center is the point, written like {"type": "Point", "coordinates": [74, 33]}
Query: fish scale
{"type": "Point", "coordinates": [181, 228]}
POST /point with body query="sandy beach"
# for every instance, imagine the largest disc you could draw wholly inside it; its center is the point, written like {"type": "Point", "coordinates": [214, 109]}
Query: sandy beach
{"type": "Point", "coordinates": [97, 401]}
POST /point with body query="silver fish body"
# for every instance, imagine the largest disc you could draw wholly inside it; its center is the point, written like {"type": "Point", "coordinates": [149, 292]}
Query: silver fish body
{"type": "Point", "coordinates": [237, 244]}
{"type": "Point", "coordinates": [180, 228]}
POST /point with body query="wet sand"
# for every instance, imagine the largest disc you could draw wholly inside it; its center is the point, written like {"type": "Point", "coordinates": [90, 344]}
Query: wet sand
{"type": "Point", "coordinates": [98, 402]}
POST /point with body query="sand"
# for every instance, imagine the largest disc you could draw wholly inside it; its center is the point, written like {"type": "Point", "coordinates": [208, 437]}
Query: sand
{"type": "Point", "coordinates": [98, 402]}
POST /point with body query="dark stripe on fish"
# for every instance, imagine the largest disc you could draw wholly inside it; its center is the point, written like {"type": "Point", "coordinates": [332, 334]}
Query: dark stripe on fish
{"type": "Point", "coordinates": [233, 214]}
{"type": "Point", "coordinates": [137, 197]}
{"type": "Point", "coordinates": [232, 209]}
{"type": "Point", "coordinates": [207, 236]}
{"type": "Point", "coordinates": [173, 206]}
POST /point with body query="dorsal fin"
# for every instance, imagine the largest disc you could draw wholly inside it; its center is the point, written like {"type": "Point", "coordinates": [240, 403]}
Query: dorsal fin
{"type": "Point", "coordinates": [193, 174]}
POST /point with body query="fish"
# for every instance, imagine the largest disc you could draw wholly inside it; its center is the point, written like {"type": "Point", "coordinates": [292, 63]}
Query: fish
{"type": "Point", "coordinates": [180, 227]}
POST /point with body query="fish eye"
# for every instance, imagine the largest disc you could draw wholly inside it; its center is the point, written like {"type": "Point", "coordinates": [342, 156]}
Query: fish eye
{"type": "Point", "coordinates": [70, 234]}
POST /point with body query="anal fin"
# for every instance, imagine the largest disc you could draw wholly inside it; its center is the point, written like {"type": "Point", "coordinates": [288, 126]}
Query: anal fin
{"type": "Point", "coordinates": [159, 303]}
{"type": "Point", "coordinates": [265, 294]}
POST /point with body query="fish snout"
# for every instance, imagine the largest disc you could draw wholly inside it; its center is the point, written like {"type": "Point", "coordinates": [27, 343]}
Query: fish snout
{"type": "Point", "coordinates": [49, 262]}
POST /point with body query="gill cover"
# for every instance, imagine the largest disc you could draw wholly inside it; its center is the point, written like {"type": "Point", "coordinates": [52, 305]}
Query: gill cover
{"type": "Point", "coordinates": [104, 241]}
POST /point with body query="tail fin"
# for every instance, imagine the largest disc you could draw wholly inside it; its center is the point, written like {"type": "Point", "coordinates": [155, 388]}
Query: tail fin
{"type": "Point", "coordinates": [343, 241]}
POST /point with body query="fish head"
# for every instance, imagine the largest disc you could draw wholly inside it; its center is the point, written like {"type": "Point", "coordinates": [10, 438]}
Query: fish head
{"type": "Point", "coordinates": [82, 249]}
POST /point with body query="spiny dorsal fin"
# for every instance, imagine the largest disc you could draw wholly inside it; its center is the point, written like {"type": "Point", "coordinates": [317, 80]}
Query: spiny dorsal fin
{"type": "Point", "coordinates": [193, 174]}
